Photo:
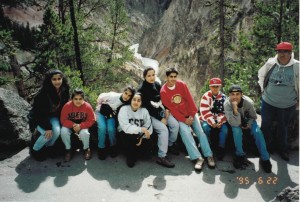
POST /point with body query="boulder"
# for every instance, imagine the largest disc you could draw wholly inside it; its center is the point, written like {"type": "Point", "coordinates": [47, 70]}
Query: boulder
{"type": "Point", "coordinates": [14, 128]}
{"type": "Point", "coordinates": [287, 195]}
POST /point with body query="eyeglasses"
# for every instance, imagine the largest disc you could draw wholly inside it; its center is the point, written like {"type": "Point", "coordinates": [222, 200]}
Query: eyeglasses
{"type": "Point", "coordinates": [283, 51]}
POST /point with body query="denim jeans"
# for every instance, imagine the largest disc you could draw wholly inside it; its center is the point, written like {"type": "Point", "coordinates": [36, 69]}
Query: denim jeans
{"type": "Point", "coordinates": [223, 132]}
{"type": "Point", "coordinates": [84, 136]}
{"type": "Point", "coordinates": [189, 142]}
{"type": "Point", "coordinates": [283, 117]}
{"type": "Point", "coordinates": [164, 137]}
{"type": "Point", "coordinates": [42, 141]}
{"type": "Point", "coordinates": [258, 137]}
{"type": "Point", "coordinates": [173, 127]}
{"type": "Point", "coordinates": [106, 126]}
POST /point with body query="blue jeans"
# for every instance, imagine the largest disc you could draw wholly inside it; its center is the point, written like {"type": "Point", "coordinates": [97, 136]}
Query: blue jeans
{"type": "Point", "coordinates": [42, 141]}
{"type": "Point", "coordinates": [84, 136]}
{"type": "Point", "coordinates": [189, 142]}
{"type": "Point", "coordinates": [223, 132]}
{"type": "Point", "coordinates": [106, 126]}
{"type": "Point", "coordinates": [164, 137]}
{"type": "Point", "coordinates": [258, 137]}
{"type": "Point", "coordinates": [283, 117]}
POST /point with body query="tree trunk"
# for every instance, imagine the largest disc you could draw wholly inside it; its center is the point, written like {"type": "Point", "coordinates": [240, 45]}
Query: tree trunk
{"type": "Point", "coordinates": [279, 31]}
{"type": "Point", "coordinates": [76, 41]}
{"type": "Point", "coordinates": [222, 39]}
{"type": "Point", "coordinates": [61, 11]}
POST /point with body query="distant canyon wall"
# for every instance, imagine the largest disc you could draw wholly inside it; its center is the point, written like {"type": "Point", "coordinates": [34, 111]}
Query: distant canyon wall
{"type": "Point", "coordinates": [182, 38]}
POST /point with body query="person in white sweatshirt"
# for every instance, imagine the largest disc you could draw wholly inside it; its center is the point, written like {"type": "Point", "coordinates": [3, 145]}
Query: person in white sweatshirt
{"type": "Point", "coordinates": [106, 112]}
{"type": "Point", "coordinates": [135, 128]}
{"type": "Point", "coordinates": [279, 82]}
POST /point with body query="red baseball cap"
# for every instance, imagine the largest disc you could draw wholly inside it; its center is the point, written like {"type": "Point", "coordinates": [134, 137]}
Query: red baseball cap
{"type": "Point", "coordinates": [215, 82]}
{"type": "Point", "coordinates": [284, 46]}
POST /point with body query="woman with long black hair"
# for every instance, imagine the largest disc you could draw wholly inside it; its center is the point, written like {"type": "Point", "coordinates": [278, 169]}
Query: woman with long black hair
{"type": "Point", "coordinates": [47, 107]}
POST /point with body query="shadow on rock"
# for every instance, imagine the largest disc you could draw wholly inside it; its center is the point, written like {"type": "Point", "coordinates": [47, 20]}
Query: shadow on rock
{"type": "Point", "coordinates": [119, 176]}
{"type": "Point", "coordinates": [31, 173]}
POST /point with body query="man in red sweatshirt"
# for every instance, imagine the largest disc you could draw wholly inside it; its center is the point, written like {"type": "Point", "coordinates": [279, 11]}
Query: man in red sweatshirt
{"type": "Point", "coordinates": [176, 96]}
{"type": "Point", "coordinates": [77, 116]}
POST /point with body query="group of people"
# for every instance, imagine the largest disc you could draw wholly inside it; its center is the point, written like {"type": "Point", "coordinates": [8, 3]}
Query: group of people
{"type": "Point", "coordinates": [136, 116]}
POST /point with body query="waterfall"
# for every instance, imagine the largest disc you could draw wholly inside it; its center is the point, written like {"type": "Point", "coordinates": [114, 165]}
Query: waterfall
{"type": "Point", "coordinates": [147, 62]}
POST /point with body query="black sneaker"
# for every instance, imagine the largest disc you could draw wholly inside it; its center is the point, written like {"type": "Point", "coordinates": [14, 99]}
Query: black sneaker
{"type": "Point", "coordinates": [164, 161]}
{"type": "Point", "coordinates": [113, 151]}
{"type": "Point", "coordinates": [130, 161]}
{"type": "Point", "coordinates": [102, 154]}
{"type": "Point", "coordinates": [241, 162]}
{"type": "Point", "coordinates": [266, 165]}
{"type": "Point", "coordinates": [220, 153]}
{"type": "Point", "coordinates": [173, 150]}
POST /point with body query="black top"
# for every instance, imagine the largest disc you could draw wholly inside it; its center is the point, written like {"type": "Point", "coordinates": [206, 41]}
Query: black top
{"type": "Point", "coordinates": [46, 106]}
{"type": "Point", "coordinates": [151, 92]}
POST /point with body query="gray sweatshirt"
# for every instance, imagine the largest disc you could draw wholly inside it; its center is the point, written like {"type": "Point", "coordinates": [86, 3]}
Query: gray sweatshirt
{"type": "Point", "coordinates": [131, 122]}
{"type": "Point", "coordinates": [246, 108]}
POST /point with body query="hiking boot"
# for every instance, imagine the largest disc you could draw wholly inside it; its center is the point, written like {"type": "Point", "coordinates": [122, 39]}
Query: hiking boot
{"type": "Point", "coordinates": [266, 165]}
{"type": "Point", "coordinates": [130, 161]}
{"type": "Point", "coordinates": [285, 155]}
{"type": "Point", "coordinates": [164, 161]}
{"type": "Point", "coordinates": [68, 155]}
{"type": "Point", "coordinates": [211, 162]}
{"type": "Point", "coordinates": [173, 150]}
{"type": "Point", "coordinates": [113, 151]}
{"type": "Point", "coordinates": [87, 154]}
{"type": "Point", "coordinates": [220, 153]}
{"type": "Point", "coordinates": [199, 164]}
{"type": "Point", "coordinates": [241, 162]}
{"type": "Point", "coordinates": [102, 154]}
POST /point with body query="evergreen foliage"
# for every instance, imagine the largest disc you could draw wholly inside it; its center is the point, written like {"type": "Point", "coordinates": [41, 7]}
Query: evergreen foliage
{"type": "Point", "coordinates": [274, 21]}
{"type": "Point", "coordinates": [256, 46]}
{"type": "Point", "coordinates": [103, 53]}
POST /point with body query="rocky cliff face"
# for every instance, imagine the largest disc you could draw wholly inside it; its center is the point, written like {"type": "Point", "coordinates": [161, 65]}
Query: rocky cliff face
{"type": "Point", "coordinates": [182, 38]}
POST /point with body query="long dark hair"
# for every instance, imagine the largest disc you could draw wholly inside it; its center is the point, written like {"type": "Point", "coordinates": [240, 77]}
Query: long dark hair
{"type": "Point", "coordinates": [48, 87]}
{"type": "Point", "coordinates": [147, 70]}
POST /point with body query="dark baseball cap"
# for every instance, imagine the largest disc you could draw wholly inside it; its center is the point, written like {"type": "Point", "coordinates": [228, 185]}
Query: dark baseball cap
{"type": "Point", "coordinates": [235, 88]}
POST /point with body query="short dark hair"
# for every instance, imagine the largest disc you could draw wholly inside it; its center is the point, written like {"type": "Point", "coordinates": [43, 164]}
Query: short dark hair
{"type": "Point", "coordinates": [171, 70]}
{"type": "Point", "coordinates": [77, 91]}
{"type": "Point", "coordinates": [147, 70]}
{"type": "Point", "coordinates": [130, 88]}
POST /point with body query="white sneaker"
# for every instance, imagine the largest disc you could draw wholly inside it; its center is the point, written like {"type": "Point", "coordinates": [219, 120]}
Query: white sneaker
{"type": "Point", "coordinates": [199, 163]}
{"type": "Point", "coordinates": [211, 162]}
